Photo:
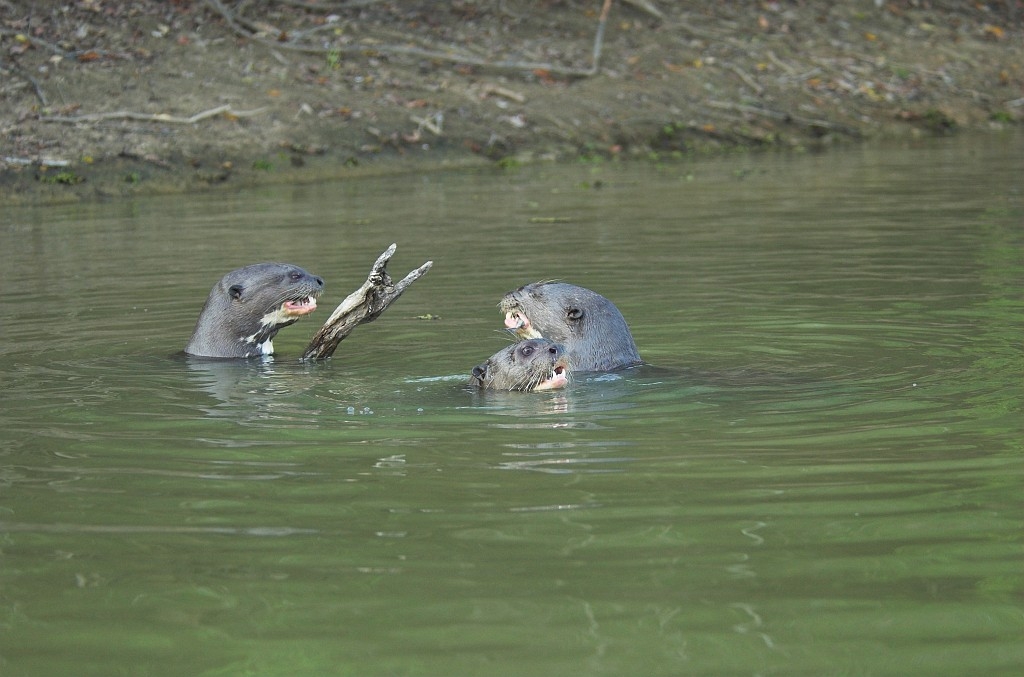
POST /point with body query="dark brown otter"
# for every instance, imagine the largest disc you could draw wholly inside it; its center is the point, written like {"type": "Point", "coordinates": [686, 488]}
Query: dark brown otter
{"type": "Point", "coordinates": [247, 308]}
{"type": "Point", "coordinates": [589, 326]}
{"type": "Point", "coordinates": [535, 364]}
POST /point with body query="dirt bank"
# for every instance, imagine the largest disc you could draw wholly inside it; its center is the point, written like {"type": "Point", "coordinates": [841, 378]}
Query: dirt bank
{"type": "Point", "coordinates": [103, 99]}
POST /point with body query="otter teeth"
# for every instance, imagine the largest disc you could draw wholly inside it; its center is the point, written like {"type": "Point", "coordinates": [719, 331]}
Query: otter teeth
{"type": "Point", "coordinates": [299, 307]}
{"type": "Point", "coordinates": [521, 326]}
{"type": "Point", "coordinates": [514, 320]}
{"type": "Point", "coordinates": [287, 312]}
{"type": "Point", "coordinates": [557, 379]}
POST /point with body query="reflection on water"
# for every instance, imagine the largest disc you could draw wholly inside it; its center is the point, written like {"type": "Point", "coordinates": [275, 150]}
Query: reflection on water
{"type": "Point", "coordinates": [817, 472]}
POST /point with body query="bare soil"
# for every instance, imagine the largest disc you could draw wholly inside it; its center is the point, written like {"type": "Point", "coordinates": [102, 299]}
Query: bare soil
{"type": "Point", "coordinates": [101, 98]}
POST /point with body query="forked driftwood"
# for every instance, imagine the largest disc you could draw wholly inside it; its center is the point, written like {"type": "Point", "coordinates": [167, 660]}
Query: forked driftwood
{"type": "Point", "coordinates": [363, 305]}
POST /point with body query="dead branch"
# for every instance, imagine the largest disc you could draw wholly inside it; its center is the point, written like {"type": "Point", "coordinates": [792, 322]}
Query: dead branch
{"type": "Point", "coordinates": [151, 117]}
{"type": "Point", "coordinates": [781, 64]}
{"type": "Point", "coordinates": [599, 38]}
{"type": "Point", "coordinates": [646, 6]}
{"type": "Point", "coordinates": [450, 56]}
{"type": "Point", "coordinates": [317, 6]}
{"type": "Point", "coordinates": [41, 161]}
{"type": "Point", "coordinates": [40, 94]}
{"type": "Point", "coordinates": [487, 88]}
{"type": "Point", "coordinates": [758, 89]}
{"type": "Point", "coordinates": [361, 306]}
{"type": "Point", "coordinates": [431, 123]}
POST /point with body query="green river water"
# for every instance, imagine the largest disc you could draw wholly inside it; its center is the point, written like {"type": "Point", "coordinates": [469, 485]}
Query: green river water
{"type": "Point", "coordinates": [819, 474]}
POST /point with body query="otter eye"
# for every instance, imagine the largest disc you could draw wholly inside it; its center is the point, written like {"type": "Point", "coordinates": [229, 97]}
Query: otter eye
{"type": "Point", "coordinates": [526, 351]}
{"type": "Point", "coordinates": [574, 313]}
{"type": "Point", "coordinates": [295, 276]}
{"type": "Point", "coordinates": [235, 291]}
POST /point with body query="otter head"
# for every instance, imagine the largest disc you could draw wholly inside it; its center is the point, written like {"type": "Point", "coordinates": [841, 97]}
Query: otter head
{"type": "Point", "coordinates": [535, 364]}
{"type": "Point", "coordinates": [247, 308]}
{"type": "Point", "coordinates": [593, 331]}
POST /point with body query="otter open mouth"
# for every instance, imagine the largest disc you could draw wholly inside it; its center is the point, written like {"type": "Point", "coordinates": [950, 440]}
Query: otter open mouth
{"type": "Point", "coordinates": [559, 378]}
{"type": "Point", "coordinates": [520, 325]}
{"type": "Point", "coordinates": [289, 311]}
{"type": "Point", "coordinates": [299, 307]}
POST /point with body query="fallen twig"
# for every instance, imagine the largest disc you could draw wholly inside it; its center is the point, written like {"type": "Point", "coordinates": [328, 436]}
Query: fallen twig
{"type": "Point", "coordinates": [646, 6]}
{"type": "Point", "coordinates": [361, 306]}
{"type": "Point", "coordinates": [41, 161]}
{"type": "Point", "coordinates": [758, 89]}
{"type": "Point", "coordinates": [151, 117]}
{"type": "Point", "coordinates": [487, 88]}
{"type": "Point", "coordinates": [40, 94]}
{"type": "Point", "coordinates": [599, 37]}
{"type": "Point", "coordinates": [432, 123]}
{"type": "Point", "coordinates": [780, 63]}
{"type": "Point", "coordinates": [315, 6]}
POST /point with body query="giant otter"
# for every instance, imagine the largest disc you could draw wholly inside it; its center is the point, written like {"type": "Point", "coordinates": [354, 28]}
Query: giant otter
{"type": "Point", "coordinates": [589, 326]}
{"type": "Point", "coordinates": [535, 364]}
{"type": "Point", "coordinates": [247, 308]}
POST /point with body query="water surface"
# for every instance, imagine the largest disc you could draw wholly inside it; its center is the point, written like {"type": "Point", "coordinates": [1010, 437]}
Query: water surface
{"type": "Point", "coordinates": [820, 473]}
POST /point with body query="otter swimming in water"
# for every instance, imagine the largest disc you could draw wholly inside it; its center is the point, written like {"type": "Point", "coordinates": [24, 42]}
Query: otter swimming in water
{"type": "Point", "coordinates": [534, 364]}
{"type": "Point", "coordinates": [248, 306]}
{"type": "Point", "coordinates": [591, 329]}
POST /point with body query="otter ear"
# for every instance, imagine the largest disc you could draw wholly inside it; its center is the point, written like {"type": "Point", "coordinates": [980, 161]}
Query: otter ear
{"type": "Point", "coordinates": [574, 314]}
{"type": "Point", "coordinates": [235, 291]}
{"type": "Point", "coordinates": [480, 372]}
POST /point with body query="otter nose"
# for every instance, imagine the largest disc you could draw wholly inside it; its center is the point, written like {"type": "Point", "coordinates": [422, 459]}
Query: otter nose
{"type": "Point", "coordinates": [554, 350]}
{"type": "Point", "coordinates": [319, 280]}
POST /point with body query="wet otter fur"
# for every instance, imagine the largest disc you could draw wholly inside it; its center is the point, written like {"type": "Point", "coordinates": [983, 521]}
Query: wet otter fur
{"type": "Point", "coordinates": [531, 365]}
{"type": "Point", "coordinates": [248, 306]}
{"type": "Point", "coordinates": [589, 326]}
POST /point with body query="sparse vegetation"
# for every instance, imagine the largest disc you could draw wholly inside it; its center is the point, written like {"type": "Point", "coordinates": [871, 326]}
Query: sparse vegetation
{"type": "Point", "coordinates": [207, 90]}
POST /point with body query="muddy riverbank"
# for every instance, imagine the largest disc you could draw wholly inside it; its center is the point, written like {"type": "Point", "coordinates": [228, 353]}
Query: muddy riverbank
{"type": "Point", "coordinates": [103, 99]}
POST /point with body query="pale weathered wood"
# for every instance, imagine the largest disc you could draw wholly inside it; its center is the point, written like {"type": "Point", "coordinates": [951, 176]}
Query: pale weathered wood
{"type": "Point", "coordinates": [363, 305]}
